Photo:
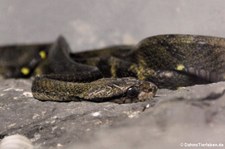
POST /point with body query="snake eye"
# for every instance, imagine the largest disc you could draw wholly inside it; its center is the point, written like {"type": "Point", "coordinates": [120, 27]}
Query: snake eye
{"type": "Point", "coordinates": [132, 92]}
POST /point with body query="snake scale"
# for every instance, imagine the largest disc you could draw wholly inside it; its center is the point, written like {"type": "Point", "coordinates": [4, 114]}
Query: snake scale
{"type": "Point", "coordinates": [121, 74]}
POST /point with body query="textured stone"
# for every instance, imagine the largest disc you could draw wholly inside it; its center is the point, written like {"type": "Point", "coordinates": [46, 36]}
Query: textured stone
{"type": "Point", "coordinates": [53, 123]}
{"type": "Point", "coordinates": [188, 115]}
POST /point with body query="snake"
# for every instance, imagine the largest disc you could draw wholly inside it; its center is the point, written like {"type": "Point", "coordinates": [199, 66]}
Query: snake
{"type": "Point", "coordinates": [121, 73]}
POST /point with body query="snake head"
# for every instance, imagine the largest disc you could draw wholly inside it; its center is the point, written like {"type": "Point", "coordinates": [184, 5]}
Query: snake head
{"type": "Point", "coordinates": [140, 91]}
{"type": "Point", "coordinates": [121, 90]}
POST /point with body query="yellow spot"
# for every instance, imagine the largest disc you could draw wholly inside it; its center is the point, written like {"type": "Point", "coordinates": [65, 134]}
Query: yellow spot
{"type": "Point", "coordinates": [180, 67]}
{"type": "Point", "coordinates": [43, 54]}
{"type": "Point", "coordinates": [25, 70]}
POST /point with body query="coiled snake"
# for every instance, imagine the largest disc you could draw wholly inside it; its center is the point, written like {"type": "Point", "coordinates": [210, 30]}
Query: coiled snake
{"type": "Point", "coordinates": [121, 74]}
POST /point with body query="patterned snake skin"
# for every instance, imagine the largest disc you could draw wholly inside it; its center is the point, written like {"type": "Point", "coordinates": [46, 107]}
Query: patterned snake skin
{"type": "Point", "coordinates": [121, 74]}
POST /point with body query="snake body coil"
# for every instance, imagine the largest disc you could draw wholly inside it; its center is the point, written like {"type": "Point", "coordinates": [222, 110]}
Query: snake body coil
{"type": "Point", "coordinates": [123, 74]}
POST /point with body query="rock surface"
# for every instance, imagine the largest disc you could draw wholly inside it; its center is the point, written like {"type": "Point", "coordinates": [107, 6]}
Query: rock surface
{"type": "Point", "coordinates": [188, 115]}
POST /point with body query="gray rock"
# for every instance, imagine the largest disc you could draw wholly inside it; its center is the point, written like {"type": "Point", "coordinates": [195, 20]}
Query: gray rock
{"type": "Point", "coordinates": [55, 123]}
{"type": "Point", "coordinates": [188, 115]}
